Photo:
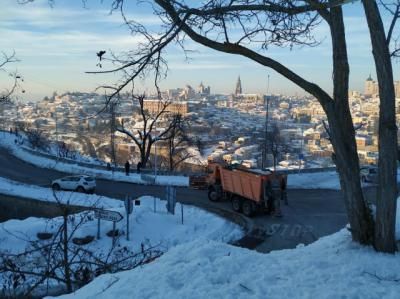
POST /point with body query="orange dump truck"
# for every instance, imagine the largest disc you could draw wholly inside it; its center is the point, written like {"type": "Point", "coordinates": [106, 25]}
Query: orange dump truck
{"type": "Point", "coordinates": [247, 189]}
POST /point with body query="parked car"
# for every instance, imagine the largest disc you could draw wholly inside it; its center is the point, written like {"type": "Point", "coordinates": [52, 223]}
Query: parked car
{"type": "Point", "coordinates": [369, 174]}
{"type": "Point", "coordinates": [80, 183]}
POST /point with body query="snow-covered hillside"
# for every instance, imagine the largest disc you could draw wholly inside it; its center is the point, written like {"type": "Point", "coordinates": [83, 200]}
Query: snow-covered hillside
{"type": "Point", "coordinates": [332, 267]}
{"type": "Point", "coordinates": [7, 141]}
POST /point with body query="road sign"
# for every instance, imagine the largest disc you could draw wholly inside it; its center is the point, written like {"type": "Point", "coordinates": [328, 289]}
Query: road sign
{"type": "Point", "coordinates": [301, 157]}
{"type": "Point", "coordinates": [128, 205]}
{"type": "Point", "coordinates": [108, 215]}
{"type": "Point", "coordinates": [128, 209]}
{"type": "Point", "coordinates": [171, 199]}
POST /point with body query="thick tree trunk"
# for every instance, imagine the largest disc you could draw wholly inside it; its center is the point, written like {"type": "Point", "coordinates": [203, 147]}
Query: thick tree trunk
{"type": "Point", "coordinates": [146, 152]}
{"type": "Point", "coordinates": [171, 155]}
{"type": "Point", "coordinates": [358, 213]}
{"type": "Point", "coordinates": [145, 148]}
{"type": "Point", "coordinates": [387, 189]}
{"type": "Point", "coordinates": [343, 136]}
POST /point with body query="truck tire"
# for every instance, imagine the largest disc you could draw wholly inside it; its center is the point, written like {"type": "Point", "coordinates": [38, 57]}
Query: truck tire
{"type": "Point", "coordinates": [236, 204]}
{"type": "Point", "coordinates": [213, 194]}
{"type": "Point", "coordinates": [248, 208]}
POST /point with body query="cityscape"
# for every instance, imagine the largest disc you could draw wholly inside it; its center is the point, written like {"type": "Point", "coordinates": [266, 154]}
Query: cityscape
{"type": "Point", "coordinates": [228, 128]}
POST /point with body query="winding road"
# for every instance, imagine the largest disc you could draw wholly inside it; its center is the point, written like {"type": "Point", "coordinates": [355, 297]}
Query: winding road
{"type": "Point", "coordinates": [310, 214]}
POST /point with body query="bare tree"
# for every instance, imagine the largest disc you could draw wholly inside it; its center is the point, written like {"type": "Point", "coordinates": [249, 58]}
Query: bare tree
{"type": "Point", "coordinates": [37, 139]}
{"type": "Point", "coordinates": [275, 144]}
{"type": "Point", "coordinates": [179, 143]}
{"type": "Point", "coordinates": [145, 137]}
{"type": "Point", "coordinates": [385, 227]}
{"type": "Point", "coordinates": [392, 37]}
{"type": "Point", "coordinates": [6, 93]}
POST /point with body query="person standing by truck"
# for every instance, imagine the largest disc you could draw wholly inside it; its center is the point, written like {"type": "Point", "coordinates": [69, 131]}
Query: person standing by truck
{"type": "Point", "coordinates": [127, 166]}
{"type": "Point", "coordinates": [269, 195]}
{"type": "Point", "coordinates": [276, 190]}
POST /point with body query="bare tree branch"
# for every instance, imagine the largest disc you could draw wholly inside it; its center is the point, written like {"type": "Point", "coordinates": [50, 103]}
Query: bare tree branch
{"type": "Point", "coordinates": [6, 59]}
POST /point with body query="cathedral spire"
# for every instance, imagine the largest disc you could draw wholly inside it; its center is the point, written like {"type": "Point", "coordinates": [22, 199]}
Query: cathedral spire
{"type": "Point", "coordinates": [238, 89]}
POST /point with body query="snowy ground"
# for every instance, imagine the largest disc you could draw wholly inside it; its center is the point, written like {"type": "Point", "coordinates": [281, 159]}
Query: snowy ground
{"type": "Point", "coordinates": [319, 180]}
{"type": "Point", "coordinates": [207, 224]}
{"type": "Point", "coordinates": [332, 267]}
{"type": "Point", "coordinates": [7, 140]}
{"type": "Point", "coordinates": [146, 226]}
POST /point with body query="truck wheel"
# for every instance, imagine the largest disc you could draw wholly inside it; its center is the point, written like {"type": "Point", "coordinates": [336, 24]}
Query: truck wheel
{"type": "Point", "coordinates": [213, 194]}
{"type": "Point", "coordinates": [248, 209]}
{"type": "Point", "coordinates": [236, 204]}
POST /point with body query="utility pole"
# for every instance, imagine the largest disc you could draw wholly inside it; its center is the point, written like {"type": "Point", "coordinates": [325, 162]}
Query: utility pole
{"type": "Point", "coordinates": [264, 158]}
{"type": "Point", "coordinates": [155, 151]}
{"type": "Point", "coordinates": [56, 126]}
{"type": "Point", "coordinates": [112, 133]}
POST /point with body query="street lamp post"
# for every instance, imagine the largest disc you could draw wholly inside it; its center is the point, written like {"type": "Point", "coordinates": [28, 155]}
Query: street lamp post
{"type": "Point", "coordinates": [264, 158]}
{"type": "Point", "coordinates": [155, 159]}
{"type": "Point", "coordinates": [56, 119]}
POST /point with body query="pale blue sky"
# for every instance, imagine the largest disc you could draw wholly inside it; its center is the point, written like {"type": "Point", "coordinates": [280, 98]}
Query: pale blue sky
{"type": "Point", "coordinates": [57, 45]}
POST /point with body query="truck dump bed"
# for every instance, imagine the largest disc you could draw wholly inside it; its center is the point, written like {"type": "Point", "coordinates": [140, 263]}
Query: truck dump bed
{"type": "Point", "coordinates": [244, 183]}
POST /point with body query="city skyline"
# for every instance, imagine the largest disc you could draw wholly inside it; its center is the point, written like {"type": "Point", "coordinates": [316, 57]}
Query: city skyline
{"type": "Point", "coordinates": [57, 45]}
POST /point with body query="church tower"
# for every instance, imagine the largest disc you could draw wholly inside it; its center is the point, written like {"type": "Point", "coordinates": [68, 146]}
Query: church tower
{"type": "Point", "coordinates": [238, 89]}
{"type": "Point", "coordinates": [370, 87]}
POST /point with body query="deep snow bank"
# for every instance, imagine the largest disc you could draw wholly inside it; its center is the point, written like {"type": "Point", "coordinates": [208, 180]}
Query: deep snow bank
{"type": "Point", "coordinates": [333, 267]}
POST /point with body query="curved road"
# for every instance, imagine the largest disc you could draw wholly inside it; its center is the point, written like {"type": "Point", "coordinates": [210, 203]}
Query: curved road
{"type": "Point", "coordinates": [309, 215]}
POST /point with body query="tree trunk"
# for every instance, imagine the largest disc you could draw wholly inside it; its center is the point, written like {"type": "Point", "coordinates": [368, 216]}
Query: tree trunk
{"type": "Point", "coordinates": [143, 159]}
{"type": "Point", "coordinates": [387, 189]}
{"type": "Point", "coordinates": [171, 155]}
{"type": "Point", "coordinates": [145, 154]}
{"type": "Point", "coordinates": [343, 136]}
{"type": "Point", "coordinates": [358, 213]}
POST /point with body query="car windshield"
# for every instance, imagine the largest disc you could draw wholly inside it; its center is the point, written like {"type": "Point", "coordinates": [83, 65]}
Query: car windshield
{"type": "Point", "coordinates": [89, 179]}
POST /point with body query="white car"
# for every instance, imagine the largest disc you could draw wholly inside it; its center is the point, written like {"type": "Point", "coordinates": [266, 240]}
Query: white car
{"type": "Point", "coordinates": [80, 183]}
